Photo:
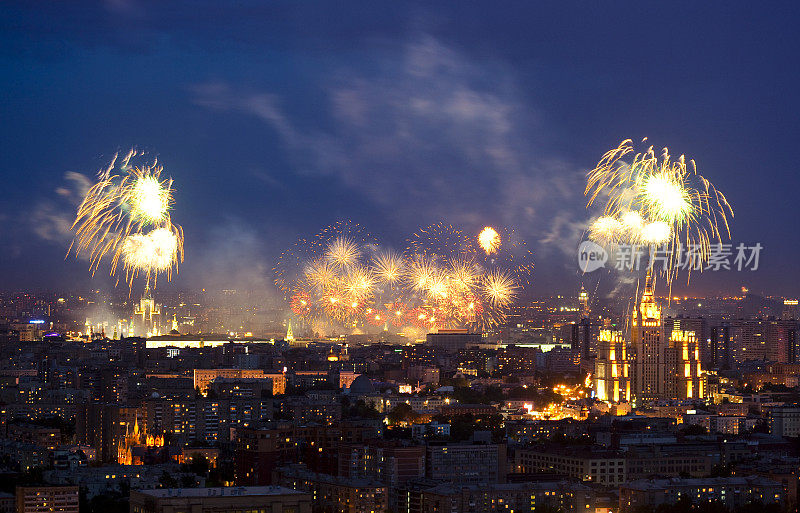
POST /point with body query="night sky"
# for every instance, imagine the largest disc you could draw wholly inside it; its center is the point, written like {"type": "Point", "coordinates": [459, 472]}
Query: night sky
{"type": "Point", "coordinates": [278, 118]}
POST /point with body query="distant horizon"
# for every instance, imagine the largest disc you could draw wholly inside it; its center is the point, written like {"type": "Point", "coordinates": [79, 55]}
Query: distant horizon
{"type": "Point", "coordinates": [121, 292]}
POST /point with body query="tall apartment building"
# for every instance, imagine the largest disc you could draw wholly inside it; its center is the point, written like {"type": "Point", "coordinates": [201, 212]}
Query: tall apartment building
{"type": "Point", "coordinates": [732, 492]}
{"type": "Point", "coordinates": [605, 467]}
{"type": "Point", "coordinates": [701, 327]}
{"type": "Point", "coordinates": [563, 496]}
{"type": "Point", "coordinates": [647, 345]}
{"type": "Point", "coordinates": [758, 339]}
{"type": "Point", "coordinates": [582, 336]}
{"type": "Point", "coordinates": [719, 346]}
{"type": "Point", "coordinates": [684, 378]}
{"type": "Point", "coordinates": [737, 341]}
{"type": "Point", "coordinates": [612, 369]}
{"type": "Point", "coordinates": [336, 493]}
{"type": "Point", "coordinates": [466, 463]}
{"type": "Point", "coordinates": [655, 365]}
{"type": "Point", "coordinates": [47, 499]}
{"type": "Point", "coordinates": [272, 499]}
{"type": "Point", "coordinates": [389, 462]}
{"type": "Point", "coordinates": [259, 451]}
{"type": "Point", "coordinates": [784, 421]}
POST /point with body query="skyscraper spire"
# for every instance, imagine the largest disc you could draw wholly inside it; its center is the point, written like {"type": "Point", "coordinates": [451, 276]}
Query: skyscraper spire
{"type": "Point", "coordinates": [583, 299]}
{"type": "Point", "coordinates": [649, 311]}
{"type": "Point", "coordinates": [648, 282]}
{"type": "Point", "coordinates": [648, 346]}
{"type": "Point", "coordinates": [289, 335]}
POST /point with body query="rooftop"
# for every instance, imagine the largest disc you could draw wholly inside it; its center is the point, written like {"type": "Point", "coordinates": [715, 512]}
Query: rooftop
{"type": "Point", "coordinates": [563, 484]}
{"type": "Point", "coordinates": [658, 484]}
{"type": "Point", "coordinates": [232, 491]}
{"type": "Point", "coordinates": [298, 471]}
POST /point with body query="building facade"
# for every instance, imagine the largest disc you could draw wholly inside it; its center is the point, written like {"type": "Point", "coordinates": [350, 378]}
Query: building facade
{"type": "Point", "coordinates": [47, 499]}
{"type": "Point", "coordinates": [732, 492]}
{"type": "Point", "coordinates": [612, 368]}
{"type": "Point", "coordinates": [656, 365]}
{"type": "Point", "coordinates": [266, 499]}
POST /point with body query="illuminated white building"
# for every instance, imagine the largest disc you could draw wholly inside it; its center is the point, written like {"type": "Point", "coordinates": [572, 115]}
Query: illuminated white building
{"type": "Point", "coordinates": [289, 335]}
{"type": "Point", "coordinates": [146, 320]}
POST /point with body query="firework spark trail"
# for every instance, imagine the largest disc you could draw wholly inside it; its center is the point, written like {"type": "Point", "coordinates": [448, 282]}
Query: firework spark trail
{"type": "Point", "coordinates": [294, 260]}
{"type": "Point", "coordinates": [499, 288]}
{"type": "Point", "coordinates": [503, 249]}
{"type": "Point", "coordinates": [605, 229]}
{"type": "Point", "coordinates": [343, 252]}
{"type": "Point", "coordinates": [151, 253]}
{"type": "Point", "coordinates": [389, 267]}
{"type": "Point", "coordinates": [656, 200]}
{"type": "Point", "coordinates": [439, 240]}
{"type": "Point", "coordinates": [440, 282]}
{"type": "Point", "coordinates": [359, 283]}
{"type": "Point", "coordinates": [454, 270]}
{"type": "Point", "coordinates": [489, 240]}
{"type": "Point", "coordinates": [655, 233]}
{"type": "Point", "coordinates": [126, 216]}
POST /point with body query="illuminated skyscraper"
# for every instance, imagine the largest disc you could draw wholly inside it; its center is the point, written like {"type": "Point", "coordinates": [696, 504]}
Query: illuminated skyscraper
{"type": "Point", "coordinates": [684, 375]}
{"type": "Point", "coordinates": [612, 369]}
{"type": "Point", "coordinates": [583, 299]}
{"type": "Point", "coordinates": [147, 316]}
{"type": "Point", "coordinates": [663, 368]}
{"type": "Point", "coordinates": [648, 347]}
{"type": "Point", "coordinates": [790, 309]}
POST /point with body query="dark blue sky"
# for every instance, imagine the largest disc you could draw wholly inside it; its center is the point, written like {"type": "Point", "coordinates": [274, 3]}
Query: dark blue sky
{"type": "Point", "coordinates": [278, 118]}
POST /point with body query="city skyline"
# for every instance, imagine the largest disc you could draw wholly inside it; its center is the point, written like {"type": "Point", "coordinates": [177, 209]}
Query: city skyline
{"type": "Point", "coordinates": [420, 257]}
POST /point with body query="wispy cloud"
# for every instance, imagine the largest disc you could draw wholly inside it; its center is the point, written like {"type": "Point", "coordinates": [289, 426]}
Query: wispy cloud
{"type": "Point", "coordinates": [52, 217]}
{"type": "Point", "coordinates": [431, 136]}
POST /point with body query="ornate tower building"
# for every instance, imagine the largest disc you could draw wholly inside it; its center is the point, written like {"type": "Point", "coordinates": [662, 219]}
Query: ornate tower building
{"type": "Point", "coordinates": [648, 347]}
{"type": "Point", "coordinates": [683, 364]}
{"type": "Point", "coordinates": [146, 320]}
{"type": "Point", "coordinates": [611, 368]}
{"type": "Point", "coordinates": [652, 367]}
